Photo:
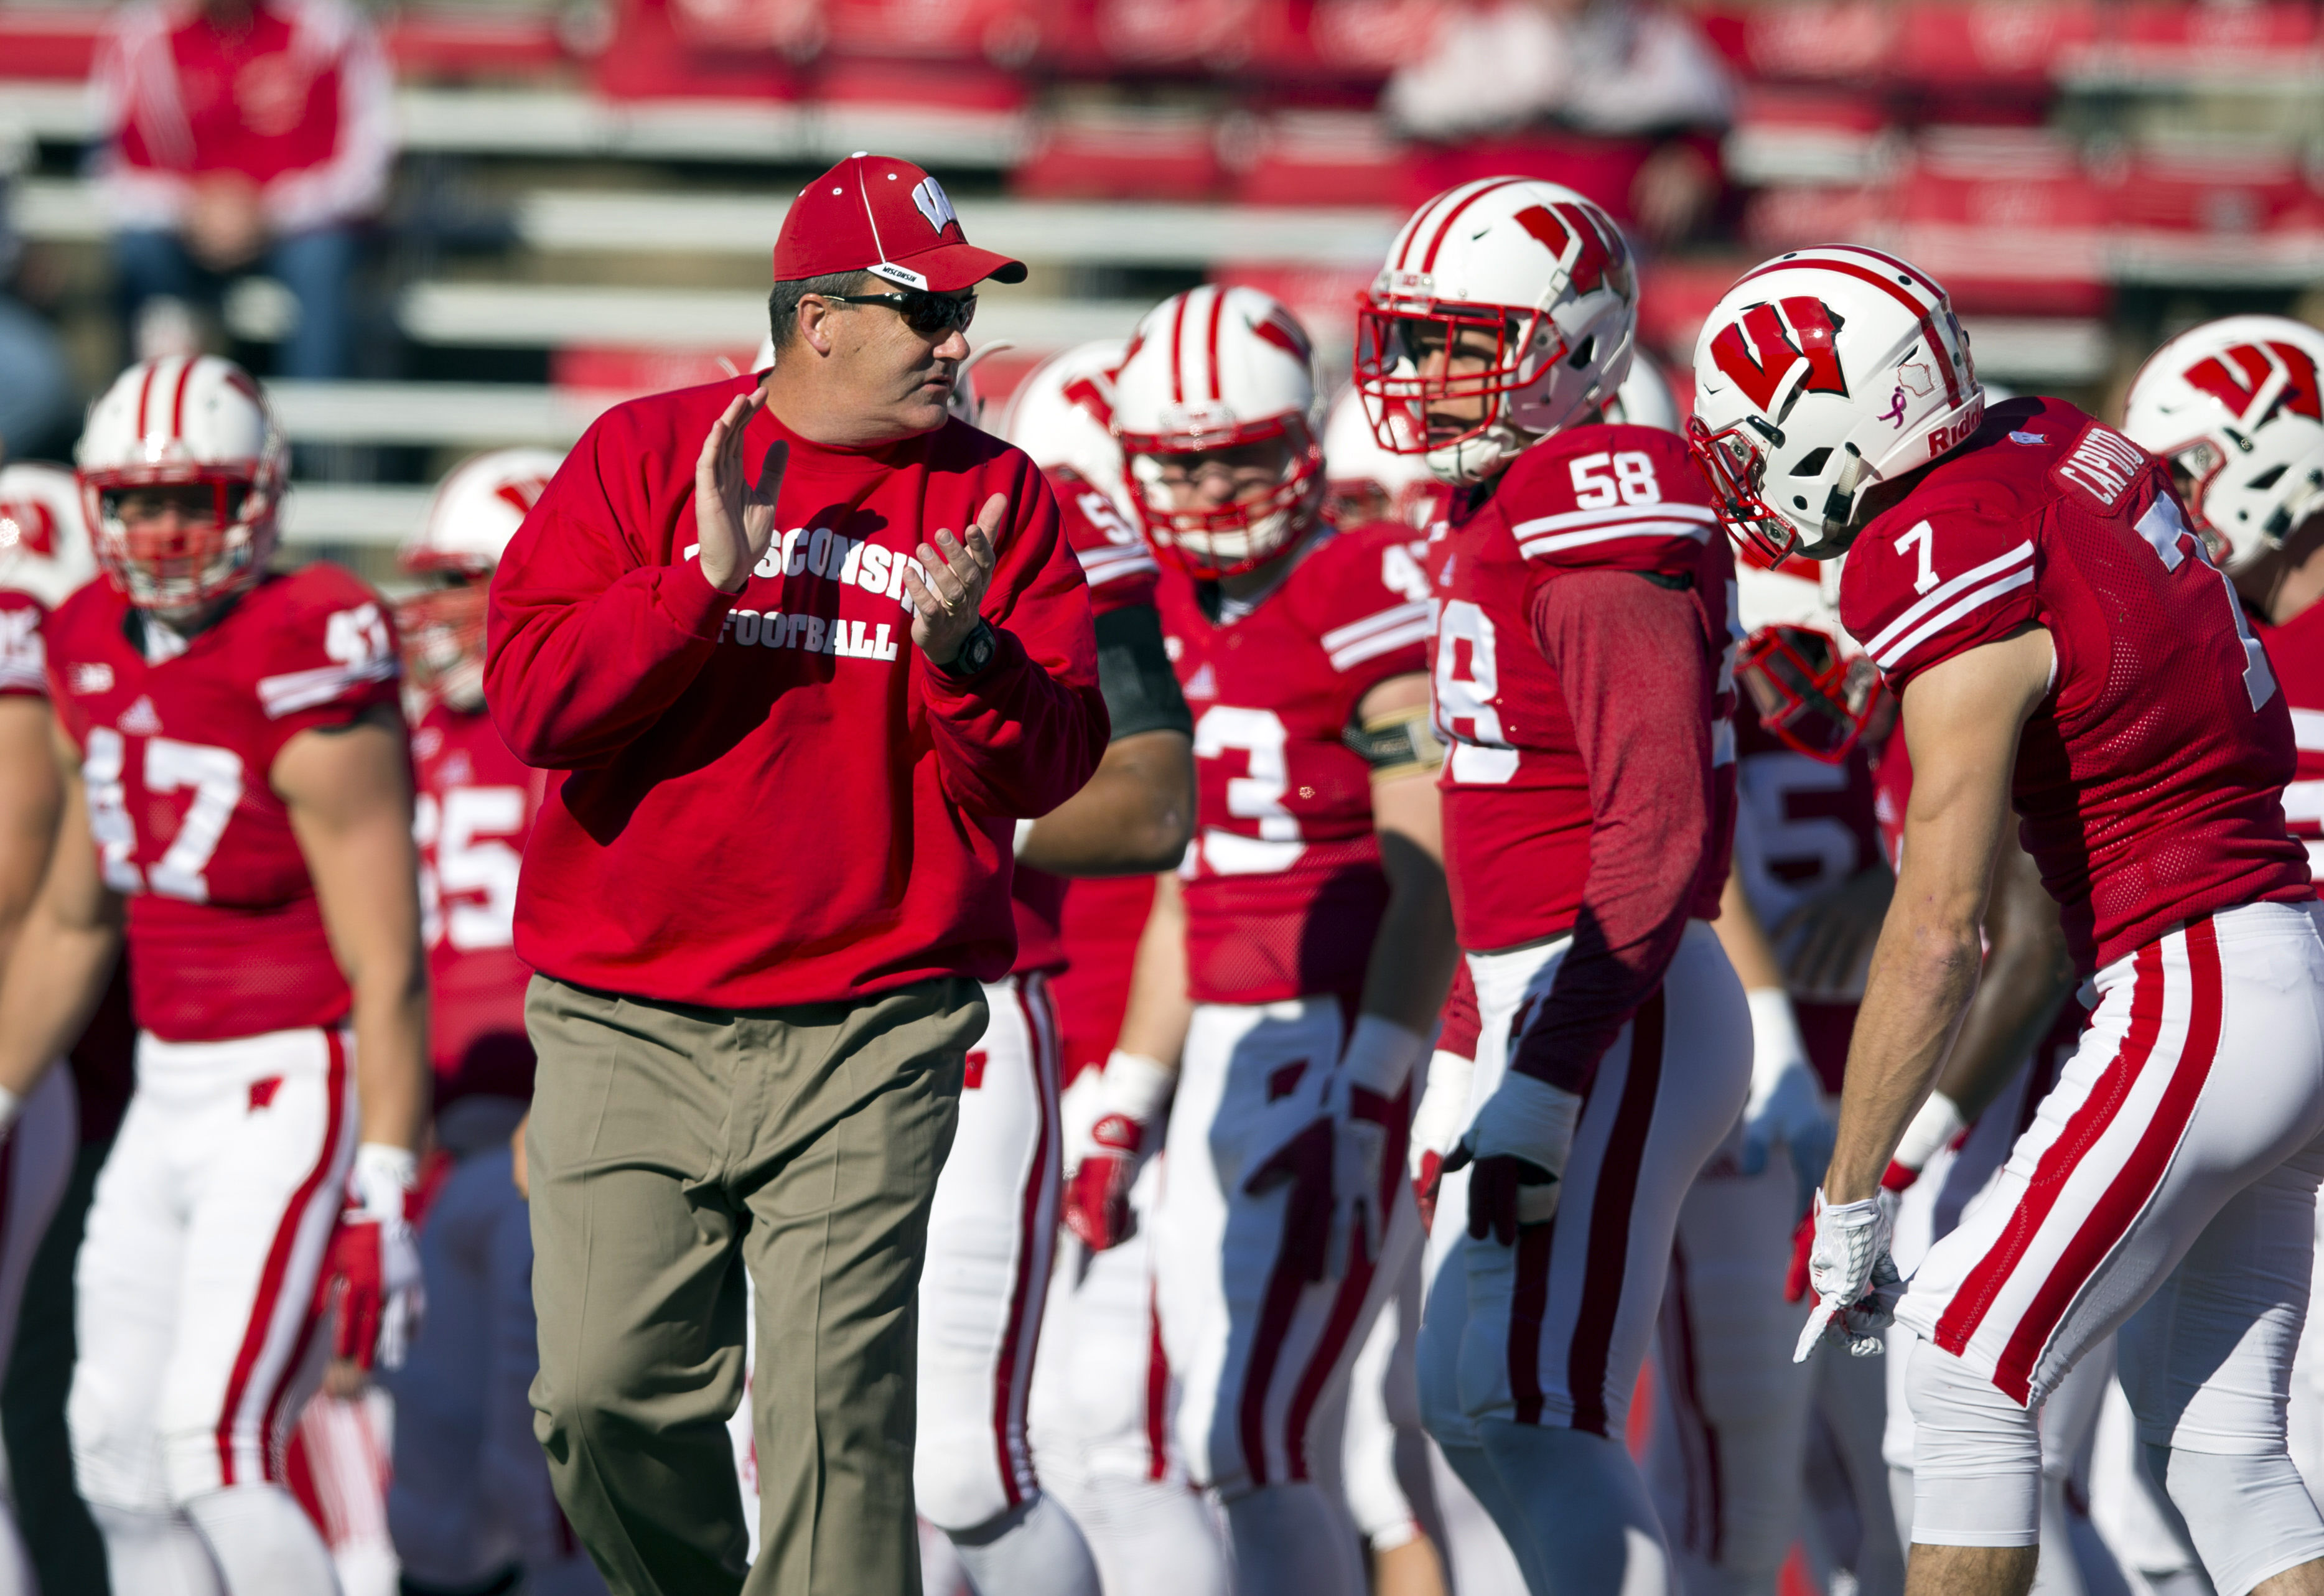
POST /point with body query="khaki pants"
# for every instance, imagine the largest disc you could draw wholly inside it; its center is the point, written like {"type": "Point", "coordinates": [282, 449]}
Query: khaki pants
{"type": "Point", "coordinates": [670, 1146]}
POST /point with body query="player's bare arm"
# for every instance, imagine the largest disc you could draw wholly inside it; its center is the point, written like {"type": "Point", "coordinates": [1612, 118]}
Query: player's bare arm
{"type": "Point", "coordinates": [349, 794]}
{"type": "Point", "coordinates": [65, 946]}
{"type": "Point", "coordinates": [1744, 940]}
{"type": "Point", "coordinates": [2028, 976]}
{"type": "Point", "coordinates": [1133, 819]}
{"type": "Point", "coordinates": [1962, 719]}
{"type": "Point", "coordinates": [1412, 958]}
{"type": "Point", "coordinates": [1154, 1026]}
{"type": "Point", "coordinates": [32, 795]}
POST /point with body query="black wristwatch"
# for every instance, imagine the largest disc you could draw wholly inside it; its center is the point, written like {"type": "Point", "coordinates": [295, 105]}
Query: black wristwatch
{"type": "Point", "coordinates": [976, 653]}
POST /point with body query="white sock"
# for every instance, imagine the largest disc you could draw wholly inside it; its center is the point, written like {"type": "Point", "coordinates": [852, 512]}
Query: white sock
{"type": "Point", "coordinates": [155, 1552]}
{"type": "Point", "coordinates": [264, 1544]}
{"type": "Point", "coordinates": [1289, 1542]}
{"type": "Point", "coordinates": [1150, 1538]}
{"type": "Point", "coordinates": [1583, 1506]}
{"type": "Point", "coordinates": [1033, 1550]}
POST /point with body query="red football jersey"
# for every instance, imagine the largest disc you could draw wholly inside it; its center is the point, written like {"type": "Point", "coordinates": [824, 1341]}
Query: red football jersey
{"type": "Point", "coordinates": [474, 808]}
{"type": "Point", "coordinates": [2295, 649]}
{"type": "Point", "coordinates": [1517, 792]}
{"type": "Point", "coordinates": [224, 936]}
{"type": "Point", "coordinates": [1121, 572]}
{"type": "Point", "coordinates": [1284, 889]}
{"type": "Point", "coordinates": [1802, 827]}
{"type": "Point", "coordinates": [2149, 781]}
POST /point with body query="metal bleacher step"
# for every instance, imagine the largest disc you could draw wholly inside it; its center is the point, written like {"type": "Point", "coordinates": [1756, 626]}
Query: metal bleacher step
{"type": "Point", "coordinates": [531, 315]}
{"type": "Point", "coordinates": [333, 514]}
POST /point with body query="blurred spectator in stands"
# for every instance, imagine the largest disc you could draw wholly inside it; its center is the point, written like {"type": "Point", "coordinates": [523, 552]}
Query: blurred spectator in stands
{"type": "Point", "coordinates": [241, 135]}
{"type": "Point", "coordinates": [37, 411]}
{"type": "Point", "coordinates": [1513, 82]}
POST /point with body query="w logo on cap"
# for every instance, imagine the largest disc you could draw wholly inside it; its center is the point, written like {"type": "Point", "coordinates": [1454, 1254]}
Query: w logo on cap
{"type": "Point", "coordinates": [934, 204]}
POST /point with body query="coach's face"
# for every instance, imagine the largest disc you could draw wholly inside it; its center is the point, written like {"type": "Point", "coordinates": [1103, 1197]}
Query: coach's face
{"type": "Point", "coordinates": [891, 379]}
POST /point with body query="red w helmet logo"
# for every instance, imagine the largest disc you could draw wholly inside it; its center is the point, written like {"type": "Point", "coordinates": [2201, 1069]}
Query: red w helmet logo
{"type": "Point", "coordinates": [522, 493]}
{"type": "Point", "coordinates": [2244, 380]}
{"type": "Point", "coordinates": [1560, 226]}
{"type": "Point", "coordinates": [1758, 353]}
{"type": "Point", "coordinates": [26, 524]}
{"type": "Point", "coordinates": [1087, 393]}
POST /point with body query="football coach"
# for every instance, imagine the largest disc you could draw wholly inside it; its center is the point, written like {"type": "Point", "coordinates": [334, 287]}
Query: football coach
{"type": "Point", "coordinates": [803, 650]}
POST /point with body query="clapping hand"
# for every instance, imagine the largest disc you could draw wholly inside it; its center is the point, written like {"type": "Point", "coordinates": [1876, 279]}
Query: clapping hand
{"type": "Point", "coordinates": [945, 603]}
{"type": "Point", "coordinates": [733, 519]}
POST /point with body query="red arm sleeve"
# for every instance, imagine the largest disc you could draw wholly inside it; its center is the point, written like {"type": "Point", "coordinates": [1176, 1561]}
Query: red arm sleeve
{"type": "Point", "coordinates": [1026, 732]}
{"type": "Point", "coordinates": [1638, 686]}
{"type": "Point", "coordinates": [586, 642]}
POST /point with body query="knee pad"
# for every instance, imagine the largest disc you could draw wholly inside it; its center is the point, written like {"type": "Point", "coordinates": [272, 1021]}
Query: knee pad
{"type": "Point", "coordinates": [2249, 1514]}
{"type": "Point", "coordinates": [1976, 1458]}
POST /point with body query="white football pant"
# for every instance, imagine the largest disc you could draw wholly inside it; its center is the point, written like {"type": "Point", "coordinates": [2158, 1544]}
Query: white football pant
{"type": "Point", "coordinates": [1383, 1445]}
{"type": "Point", "coordinates": [1262, 1353]}
{"type": "Point", "coordinates": [1100, 1419]}
{"type": "Point", "coordinates": [1549, 1334]}
{"type": "Point", "coordinates": [196, 1315]}
{"type": "Point", "coordinates": [471, 1497]}
{"type": "Point", "coordinates": [36, 1163]}
{"type": "Point", "coordinates": [2166, 1189]}
{"type": "Point", "coordinates": [1725, 1459]}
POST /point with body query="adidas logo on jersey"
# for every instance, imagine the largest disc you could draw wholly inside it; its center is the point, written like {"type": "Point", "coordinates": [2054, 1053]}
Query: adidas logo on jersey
{"type": "Point", "coordinates": [141, 719]}
{"type": "Point", "coordinates": [92, 679]}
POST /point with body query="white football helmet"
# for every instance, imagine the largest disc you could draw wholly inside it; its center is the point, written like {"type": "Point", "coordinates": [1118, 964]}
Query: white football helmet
{"type": "Point", "coordinates": [1220, 368]}
{"type": "Point", "coordinates": [476, 511]}
{"type": "Point", "coordinates": [1062, 415]}
{"type": "Point", "coordinates": [1535, 268]}
{"type": "Point", "coordinates": [184, 421]}
{"type": "Point", "coordinates": [1645, 398]}
{"type": "Point", "coordinates": [1364, 481]}
{"type": "Point", "coordinates": [44, 533]}
{"type": "Point", "coordinates": [1821, 372]}
{"type": "Point", "coordinates": [2234, 404]}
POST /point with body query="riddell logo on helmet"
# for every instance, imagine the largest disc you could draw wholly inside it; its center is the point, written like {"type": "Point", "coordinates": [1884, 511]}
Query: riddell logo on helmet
{"type": "Point", "coordinates": [2241, 379]}
{"type": "Point", "coordinates": [1758, 353]}
{"type": "Point", "coordinates": [1945, 437]}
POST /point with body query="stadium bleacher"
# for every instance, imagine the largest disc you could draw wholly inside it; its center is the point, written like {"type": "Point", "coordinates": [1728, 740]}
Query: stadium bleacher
{"type": "Point", "coordinates": [2075, 170]}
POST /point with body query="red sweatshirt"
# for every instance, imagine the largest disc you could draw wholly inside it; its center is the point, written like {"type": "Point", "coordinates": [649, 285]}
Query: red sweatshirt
{"type": "Point", "coordinates": [770, 797]}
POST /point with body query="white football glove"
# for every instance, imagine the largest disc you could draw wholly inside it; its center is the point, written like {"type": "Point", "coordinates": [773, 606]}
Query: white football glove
{"type": "Point", "coordinates": [1786, 1100]}
{"type": "Point", "coordinates": [1519, 1142]}
{"type": "Point", "coordinates": [1437, 1124]}
{"type": "Point", "coordinates": [1109, 1131]}
{"type": "Point", "coordinates": [1855, 1279]}
{"type": "Point", "coordinates": [1380, 1058]}
{"type": "Point", "coordinates": [375, 1256]}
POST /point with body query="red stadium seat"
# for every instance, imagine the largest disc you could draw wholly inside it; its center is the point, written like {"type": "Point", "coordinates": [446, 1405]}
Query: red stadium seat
{"type": "Point", "coordinates": [60, 44]}
{"type": "Point", "coordinates": [1122, 152]}
{"type": "Point", "coordinates": [1984, 45]}
{"type": "Point", "coordinates": [660, 50]}
{"type": "Point", "coordinates": [2008, 222]}
{"type": "Point", "coordinates": [426, 44]}
{"type": "Point", "coordinates": [1005, 32]}
{"type": "Point", "coordinates": [1321, 158]}
{"type": "Point", "coordinates": [1839, 41]}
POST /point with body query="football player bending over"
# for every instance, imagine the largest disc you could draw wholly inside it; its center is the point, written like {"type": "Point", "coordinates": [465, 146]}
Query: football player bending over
{"type": "Point", "coordinates": [2027, 583]}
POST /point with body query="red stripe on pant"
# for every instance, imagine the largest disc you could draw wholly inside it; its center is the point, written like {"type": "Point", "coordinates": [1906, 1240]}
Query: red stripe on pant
{"type": "Point", "coordinates": [1158, 1395]}
{"type": "Point", "coordinates": [1347, 1306]}
{"type": "Point", "coordinates": [1013, 1367]}
{"type": "Point", "coordinates": [2135, 1184]}
{"type": "Point", "coordinates": [1607, 1260]}
{"type": "Point", "coordinates": [2083, 1128]}
{"type": "Point", "coordinates": [278, 1264]}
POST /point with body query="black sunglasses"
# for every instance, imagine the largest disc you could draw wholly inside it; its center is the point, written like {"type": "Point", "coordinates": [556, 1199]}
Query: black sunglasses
{"type": "Point", "coordinates": [927, 314]}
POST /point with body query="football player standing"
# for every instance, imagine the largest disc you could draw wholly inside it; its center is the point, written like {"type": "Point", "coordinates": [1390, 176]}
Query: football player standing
{"type": "Point", "coordinates": [233, 748]}
{"type": "Point", "coordinates": [1582, 678]}
{"type": "Point", "coordinates": [1290, 977]}
{"type": "Point", "coordinates": [2061, 644]}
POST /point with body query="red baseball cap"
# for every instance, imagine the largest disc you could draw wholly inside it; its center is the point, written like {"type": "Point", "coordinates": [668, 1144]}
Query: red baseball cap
{"type": "Point", "coordinates": [876, 214]}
